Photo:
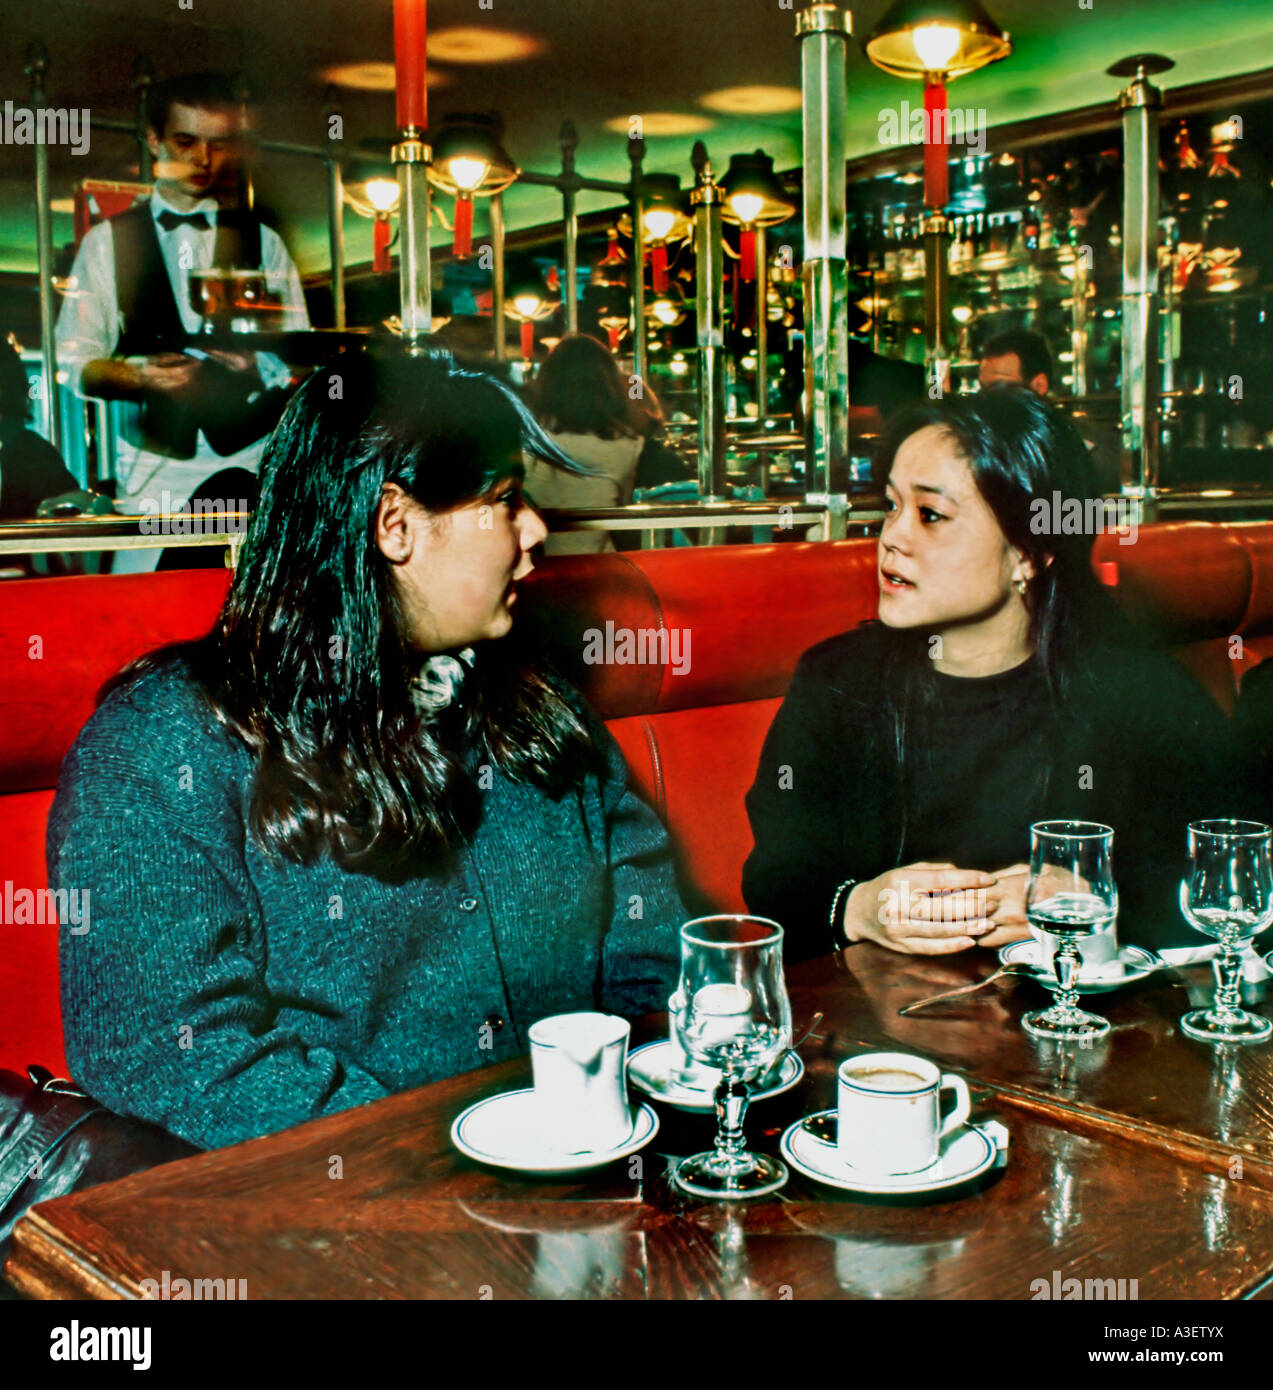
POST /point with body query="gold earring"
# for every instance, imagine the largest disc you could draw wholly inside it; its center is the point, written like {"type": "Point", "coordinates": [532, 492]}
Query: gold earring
{"type": "Point", "coordinates": [1021, 587]}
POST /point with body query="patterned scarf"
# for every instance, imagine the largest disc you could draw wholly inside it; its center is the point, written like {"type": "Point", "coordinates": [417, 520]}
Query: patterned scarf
{"type": "Point", "coordinates": [440, 680]}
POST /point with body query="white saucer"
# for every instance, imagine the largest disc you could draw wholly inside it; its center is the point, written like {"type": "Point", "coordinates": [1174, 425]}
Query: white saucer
{"type": "Point", "coordinates": [1131, 964]}
{"type": "Point", "coordinates": [649, 1068]}
{"type": "Point", "coordinates": [968, 1153]}
{"type": "Point", "coordinates": [501, 1131]}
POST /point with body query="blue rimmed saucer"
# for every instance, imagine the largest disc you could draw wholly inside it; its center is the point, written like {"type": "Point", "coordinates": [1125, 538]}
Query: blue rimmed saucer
{"type": "Point", "coordinates": [968, 1153]}
{"type": "Point", "coordinates": [503, 1132]}
{"type": "Point", "coordinates": [1133, 963]}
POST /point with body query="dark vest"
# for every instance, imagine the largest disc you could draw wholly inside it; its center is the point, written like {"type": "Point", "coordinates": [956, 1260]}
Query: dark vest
{"type": "Point", "coordinates": [226, 405]}
{"type": "Point", "coordinates": [151, 319]}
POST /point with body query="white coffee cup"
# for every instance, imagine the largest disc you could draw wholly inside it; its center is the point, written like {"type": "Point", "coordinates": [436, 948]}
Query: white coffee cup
{"type": "Point", "coordinates": [580, 1067]}
{"type": "Point", "coordinates": [890, 1117]}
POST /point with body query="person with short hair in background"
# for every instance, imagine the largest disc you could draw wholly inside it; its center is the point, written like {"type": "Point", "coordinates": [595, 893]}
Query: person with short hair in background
{"type": "Point", "coordinates": [1021, 357]}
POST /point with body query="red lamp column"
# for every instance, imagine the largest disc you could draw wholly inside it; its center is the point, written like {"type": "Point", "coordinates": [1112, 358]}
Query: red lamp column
{"type": "Point", "coordinates": [936, 41]}
{"type": "Point", "coordinates": [936, 140]}
{"type": "Point", "coordinates": [411, 158]}
{"type": "Point", "coordinates": [410, 32]}
{"type": "Point", "coordinates": [381, 236]}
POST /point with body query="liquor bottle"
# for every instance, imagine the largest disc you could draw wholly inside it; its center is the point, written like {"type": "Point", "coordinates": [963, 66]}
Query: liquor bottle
{"type": "Point", "coordinates": [1047, 232]}
{"type": "Point", "coordinates": [1030, 227]}
{"type": "Point", "coordinates": [1000, 234]}
{"type": "Point", "coordinates": [874, 250]}
{"type": "Point", "coordinates": [976, 234]}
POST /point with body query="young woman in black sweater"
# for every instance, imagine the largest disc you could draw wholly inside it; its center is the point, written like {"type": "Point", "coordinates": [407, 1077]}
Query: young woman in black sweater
{"type": "Point", "coordinates": [1001, 686]}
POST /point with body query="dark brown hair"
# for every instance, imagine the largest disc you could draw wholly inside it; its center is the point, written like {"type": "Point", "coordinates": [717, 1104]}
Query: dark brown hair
{"type": "Point", "coordinates": [208, 91]}
{"type": "Point", "coordinates": [580, 390]}
{"type": "Point", "coordinates": [308, 663]}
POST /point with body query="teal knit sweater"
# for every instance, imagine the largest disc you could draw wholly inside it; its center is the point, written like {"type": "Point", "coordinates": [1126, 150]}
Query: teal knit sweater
{"type": "Point", "coordinates": [223, 993]}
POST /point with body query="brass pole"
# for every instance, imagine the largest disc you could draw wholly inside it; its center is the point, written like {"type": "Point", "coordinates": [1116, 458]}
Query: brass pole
{"type": "Point", "coordinates": [143, 77]}
{"type": "Point", "coordinates": [570, 227]}
{"type": "Point", "coordinates": [335, 209]}
{"type": "Point", "coordinates": [762, 325]}
{"type": "Point", "coordinates": [37, 69]}
{"type": "Point", "coordinates": [411, 156]}
{"type": "Point", "coordinates": [937, 298]}
{"type": "Point", "coordinates": [1140, 102]}
{"type": "Point", "coordinates": [1078, 322]}
{"type": "Point", "coordinates": [823, 31]}
{"type": "Point", "coordinates": [709, 251]}
{"type": "Point", "coordinates": [497, 275]}
{"type": "Point", "coordinates": [636, 154]}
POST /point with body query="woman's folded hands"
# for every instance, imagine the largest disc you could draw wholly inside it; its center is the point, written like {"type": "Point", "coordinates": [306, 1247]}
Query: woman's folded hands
{"type": "Point", "coordinates": [936, 909]}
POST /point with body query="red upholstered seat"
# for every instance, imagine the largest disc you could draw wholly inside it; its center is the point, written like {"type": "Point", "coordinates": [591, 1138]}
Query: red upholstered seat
{"type": "Point", "coordinates": [60, 639]}
{"type": "Point", "coordinates": [694, 767]}
{"type": "Point", "coordinates": [30, 1015]}
{"type": "Point", "coordinates": [691, 738]}
{"type": "Point", "coordinates": [1256, 629]}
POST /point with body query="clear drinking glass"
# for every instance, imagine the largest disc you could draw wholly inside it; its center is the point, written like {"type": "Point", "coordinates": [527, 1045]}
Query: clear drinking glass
{"type": "Point", "coordinates": [735, 1015]}
{"type": "Point", "coordinates": [1229, 896]}
{"type": "Point", "coordinates": [1070, 895]}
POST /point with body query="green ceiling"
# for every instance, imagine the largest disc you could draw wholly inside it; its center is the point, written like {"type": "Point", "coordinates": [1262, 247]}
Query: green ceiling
{"type": "Point", "coordinates": [597, 62]}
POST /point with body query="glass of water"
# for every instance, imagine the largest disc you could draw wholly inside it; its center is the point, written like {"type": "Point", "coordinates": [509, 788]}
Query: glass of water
{"type": "Point", "coordinates": [733, 1014]}
{"type": "Point", "coordinates": [1070, 895]}
{"type": "Point", "coordinates": [1229, 896]}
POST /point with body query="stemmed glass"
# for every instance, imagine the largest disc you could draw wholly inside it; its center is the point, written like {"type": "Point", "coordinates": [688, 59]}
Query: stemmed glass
{"type": "Point", "coordinates": [734, 1014]}
{"type": "Point", "coordinates": [1229, 896]}
{"type": "Point", "coordinates": [1070, 895]}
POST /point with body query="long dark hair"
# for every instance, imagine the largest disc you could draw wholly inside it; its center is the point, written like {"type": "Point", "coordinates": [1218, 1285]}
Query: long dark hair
{"type": "Point", "coordinates": [309, 663]}
{"type": "Point", "coordinates": [1023, 454]}
{"type": "Point", "coordinates": [580, 390]}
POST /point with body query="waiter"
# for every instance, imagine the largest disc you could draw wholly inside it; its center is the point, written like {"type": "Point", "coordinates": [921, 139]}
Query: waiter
{"type": "Point", "coordinates": [196, 418]}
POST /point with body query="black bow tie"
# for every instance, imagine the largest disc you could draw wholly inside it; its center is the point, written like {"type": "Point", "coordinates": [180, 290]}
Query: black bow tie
{"type": "Point", "coordinates": [168, 220]}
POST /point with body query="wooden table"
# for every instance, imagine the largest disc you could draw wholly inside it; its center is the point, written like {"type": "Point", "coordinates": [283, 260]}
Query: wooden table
{"type": "Point", "coordinates": [1149, 1157]}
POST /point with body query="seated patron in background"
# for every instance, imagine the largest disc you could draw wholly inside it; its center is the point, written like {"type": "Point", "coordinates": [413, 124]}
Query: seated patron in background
{"type": "Point", "coordinates": [195, 426]}
{"type": "Point", "coordinates": [34, 480]}
{"type": "Point", "coordinates": [1020, 357]}
{"type": "Point", "coordinates": [583, 401]}
{"type": "Point", "coordinates": [1001, 686]}
{"type": "Point", "coordinates": [31, 469]}
{"type": "Point", "coordinates": [357, 838]}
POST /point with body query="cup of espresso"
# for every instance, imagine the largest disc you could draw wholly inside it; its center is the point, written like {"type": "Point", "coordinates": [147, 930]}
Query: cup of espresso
{"type": "Point", "coordinates": [890, 1118]}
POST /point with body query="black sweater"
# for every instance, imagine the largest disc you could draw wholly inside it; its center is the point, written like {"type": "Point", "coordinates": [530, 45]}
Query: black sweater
{"type": "Point", "coordinates": [1137, 745]}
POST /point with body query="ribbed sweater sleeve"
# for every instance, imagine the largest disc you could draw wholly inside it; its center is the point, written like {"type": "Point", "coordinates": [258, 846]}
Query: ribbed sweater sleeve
{"type": "Point", "coordinates": [641, 951]}
{"type": "Point", "coordinates": [165, 1007]}
{"type": "Point", "coordinates": [810, 774]}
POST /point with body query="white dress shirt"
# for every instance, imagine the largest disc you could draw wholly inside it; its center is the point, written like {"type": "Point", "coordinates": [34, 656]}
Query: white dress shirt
{"type": "Point", "coordinates": [89, 327]}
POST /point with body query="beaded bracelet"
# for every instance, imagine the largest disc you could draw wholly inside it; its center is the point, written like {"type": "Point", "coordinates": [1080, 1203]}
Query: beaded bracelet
{"type": "Point", "coordinates": [842, 942]}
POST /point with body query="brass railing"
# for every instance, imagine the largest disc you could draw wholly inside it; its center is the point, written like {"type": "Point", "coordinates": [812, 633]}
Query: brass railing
{"type": "Point", "coordinates": [832, 517]}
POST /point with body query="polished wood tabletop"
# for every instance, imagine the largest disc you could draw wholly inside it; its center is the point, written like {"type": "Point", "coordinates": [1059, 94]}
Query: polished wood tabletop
{"type": "Point", "coordinates": [1146, 1158]}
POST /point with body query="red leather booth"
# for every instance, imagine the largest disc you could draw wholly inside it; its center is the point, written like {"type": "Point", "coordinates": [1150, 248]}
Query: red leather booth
{"type": "Point", "coordinates": [691, 738]}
